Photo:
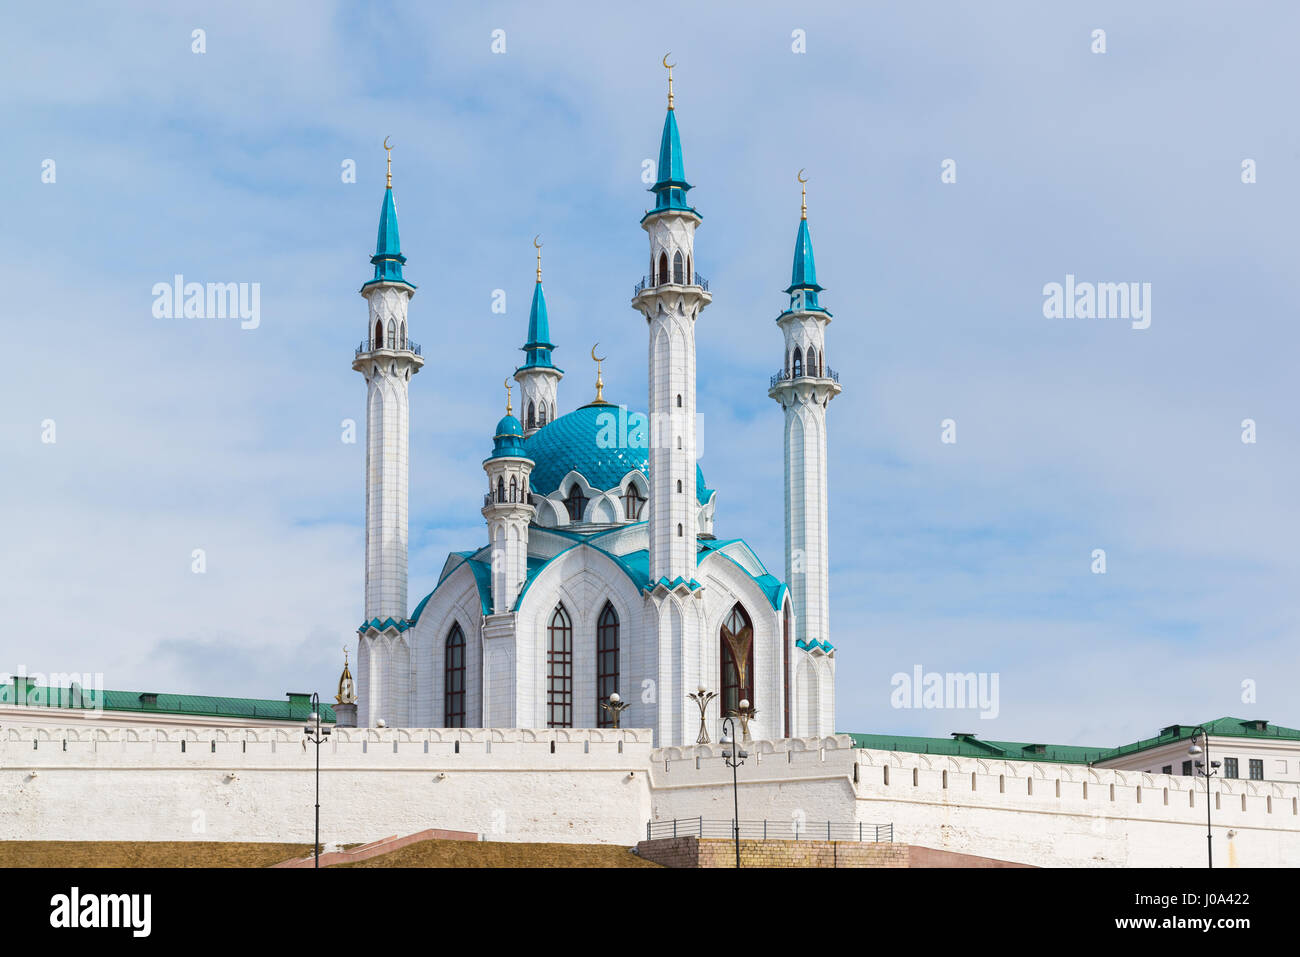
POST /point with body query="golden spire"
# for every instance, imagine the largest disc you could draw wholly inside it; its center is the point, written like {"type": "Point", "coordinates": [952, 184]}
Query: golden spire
{"type": "Point", "coordinates": [803, 213]}
{"type": "Point", "coordinates": [389, 150]}
{"type": "Point", "coordinates": [600, 383]}
{"type": "Point", "coordinates": [669, 67]}
{"type": "Point", "coordinates": [347, 691]}
{"type": "Point", "coordinates": [539, 255]}
{"type": "Point", "coordinates": [506, 383]}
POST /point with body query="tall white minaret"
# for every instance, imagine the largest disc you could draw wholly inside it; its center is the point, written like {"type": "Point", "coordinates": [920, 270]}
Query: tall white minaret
{"type": "Point", "coordinates": [670, 298]}
{"type": "Point", "coordinates": [804, 387]}
{"type": "Point", "coordinates": [387, 358]}
{"type": "Point", "coordinates": [538, 376]}
{"type": "Point", "coordinates": [508, 510]}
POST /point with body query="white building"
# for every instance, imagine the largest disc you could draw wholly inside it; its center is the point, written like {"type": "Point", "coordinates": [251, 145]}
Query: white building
{"type": "Point", "coordinates": [602, 572]}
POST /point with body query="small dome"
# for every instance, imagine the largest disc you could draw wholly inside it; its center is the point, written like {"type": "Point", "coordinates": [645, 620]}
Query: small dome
{"type": "Point", "coordinates": [509, 438]}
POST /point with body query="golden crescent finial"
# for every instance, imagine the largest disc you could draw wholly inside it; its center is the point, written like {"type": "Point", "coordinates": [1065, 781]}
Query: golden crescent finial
{"type": "Point", "coordinates": [596, 357]}
{"type": "Point", "coordinates": [509, 408]}
{"type": "Point", "coordinates": [600, 383]}
{"type": "Point", "coordinates": [800, 177]}
{"type": "Point", "coordinates": [386, 139]}
{"type": "Point", "coordinates": [669, 67]}
{"type": "Point", "coordinates": [536, 244]}
{"type": "Point", "coordinates": [666, 63]}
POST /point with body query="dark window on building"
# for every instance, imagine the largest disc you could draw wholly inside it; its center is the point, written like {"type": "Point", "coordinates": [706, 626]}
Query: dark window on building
{"type": "Point", "coordinates": [1256, 769]}
{"type": "Point", "coordinates": [576, 503]}
{"type": "Point", "coordinates": [1229, 767]}
{"type": "Point", "coordinates": [632, 502]}
{"type": "Point", "coordinates": [454, 679]}
{"type": "Point", "coordinates": [737, 641]}
{"type": "Point", "coordinates": [812, 361]}
{"type": "Point", "coordinates": [1167, 769]}
{"type": "Point", "coordinates": [501, 489]}
{"type": "Point", "coordinates": [1187, 768]}
{"type": "Point", "coordinates": [796, 364]}
{"type": "Point", "coordinates": [514, 489]}
{"type": "Point", "coordinates": [559, 671]}
{"type": "Point", "coordinates": [663, 269]}
{"type": "Point", "coordinates": [606, 663]}
{"type": "Point", "coordinates": [532, 414]}
{"type": "Point", "coordinates": [679, 276]}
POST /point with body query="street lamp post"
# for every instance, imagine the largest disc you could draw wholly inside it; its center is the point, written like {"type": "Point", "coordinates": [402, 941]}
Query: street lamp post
{"type": "Point", "coordinates": [1207, 769]}
{"type": "Point", "coordinates": [615, 707]}
{"type": "Point", "coordinates": [734, 756]}
{"type": "Point", "coordinates": [317, 735]}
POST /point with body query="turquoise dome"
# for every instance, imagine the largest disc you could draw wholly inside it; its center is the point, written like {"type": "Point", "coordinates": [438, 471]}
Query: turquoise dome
{"type": "Point", "coordinates": [580, 441]}
{"type": "Point", "coordinates": [508, 439]}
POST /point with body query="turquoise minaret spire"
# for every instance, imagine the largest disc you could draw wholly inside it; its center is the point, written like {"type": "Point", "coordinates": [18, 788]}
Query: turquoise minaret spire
{"type": "Point", "coordinates": [803, 287]}
{"type": "Point", "coordinates": [388, 258]}
{"type": "Point", "coordinates": [538, 376]}
{"type": "Point", "coordinates": [670, 189]}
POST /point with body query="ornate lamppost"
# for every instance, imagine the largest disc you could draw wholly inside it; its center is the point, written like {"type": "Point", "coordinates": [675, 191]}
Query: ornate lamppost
{"type": "Point", "coordinates": [614, 707]}
{"type": "Point", "coordinates": [702, 698]}
{"type": "Point", "coordinates": [1206, 769]}
{"type": "Point", "coordinates": [317, 735]}
{"type": "Point", "coordinates": [734, 756]}
{"type": "Point", "coordinates": [745, 712]}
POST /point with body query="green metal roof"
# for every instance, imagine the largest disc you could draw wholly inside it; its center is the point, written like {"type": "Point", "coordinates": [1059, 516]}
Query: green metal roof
{"type": "Point", "coordinates": [295, 708]}
{"type": "Point", "coordinates": [970, 746]}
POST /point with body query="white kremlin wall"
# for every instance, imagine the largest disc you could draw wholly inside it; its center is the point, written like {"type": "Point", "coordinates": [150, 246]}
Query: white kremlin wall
{"type": "Point", "coordinates": [602, 786]}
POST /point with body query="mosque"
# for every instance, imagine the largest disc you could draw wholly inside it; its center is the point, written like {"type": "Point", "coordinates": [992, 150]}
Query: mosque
{"type": "Point", "coordinates": [604, 585]}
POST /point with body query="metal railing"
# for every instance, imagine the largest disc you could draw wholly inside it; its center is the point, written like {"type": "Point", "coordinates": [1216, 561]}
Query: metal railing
{"type": "Point", "coordinates": [492, 498]}
{"type": "Point", "coordinates": [784, 376]}
{"type": "Point", "coordinates": [371, 345]}
{"type": "Point", "coordinates": [645, 284]}
{"type": "Point", "coordinates": [788, 830]}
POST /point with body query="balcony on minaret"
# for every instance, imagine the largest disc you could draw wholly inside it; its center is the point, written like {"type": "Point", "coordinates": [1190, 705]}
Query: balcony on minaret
{"type": "Point", "coordinates": [390, 344]}
{"type": "Point", "coordinates": [648, 282]}
{"type": "Point", "coordinates": [790, 375]}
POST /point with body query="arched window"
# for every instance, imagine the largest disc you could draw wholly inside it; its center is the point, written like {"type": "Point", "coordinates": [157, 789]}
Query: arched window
{"type": "Point", "coordinates": [632, 502]}
{"type": "Point", "coordinates": [392, 334]}
{"type": "Point", "coordinates": [812, 361]}
{"type": "Point", "coordinates": [501, 489]}
{"type": "Point", "coordinates": [679, 529]}
{"type": "Point", "coordinates": [606, 663]}
{"type": "Point", "coordinates": [514, 489]}
{"type": "Point", "coordinates": [532, 414]}
{"type": "Point", "coordinates": [689, 275]}
{"type": "Point", "coordinates": [679, 485]}
{"type": "Point", "coordinates": [559, 670]}
{"type": "Point", "coordinates": [453, 684]}
{"type": "Point", "coordinates": [378, 342]}
{"type": "Point", "coordinates": [678, 275]}
{"type": "Point", "coordinates": [576, 503]}
{"type": "Point", "coordinates": [541, 416]}
{"type": "Point", "coordinates": [796, 364]}
{"type": "Point", "coordinates": [785, 659]}
{"type": "Point", "coordinates": [737, 641]}
{"type": "Point", "coordinates": [663, 269]}
{"type": "Point", "coordinates": [403, 335]}
{"type": "Point", "coordinates": [679, 400]}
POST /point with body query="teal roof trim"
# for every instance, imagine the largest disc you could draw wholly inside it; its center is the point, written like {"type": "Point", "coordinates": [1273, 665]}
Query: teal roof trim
{"type": "Point", "coordinates": [401, 624]}
{"type": "Point", "coordinates": [507, 441]}
{"type": "Point", "coordinates": [773, 588]}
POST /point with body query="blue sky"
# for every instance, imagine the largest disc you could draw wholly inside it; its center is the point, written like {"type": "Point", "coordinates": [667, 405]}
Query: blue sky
{"type": "Point", "coordinates": [1073, 435]}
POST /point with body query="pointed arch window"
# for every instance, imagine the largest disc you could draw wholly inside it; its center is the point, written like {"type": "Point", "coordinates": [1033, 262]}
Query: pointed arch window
{"type": "Point", "coordinates": [392, 334]}
{"type": "Point", "coordinates": [812, 361]}
{"type": "Point", "coordinates": [796, 363]}
{"type": "Point", "coordinates": [633, 502]}
{"type": "Point", "coordinates": [679, 276]}
{"type": "Point", "coordinates": [403, 335]}
{"type": "Point", "coordinates": [737, 646]}
{"type": "Point", "coordinates": [663, 269]}
{"type": "Point", "coordinates": [453, 682]}
{"type": "Point", "coordinates": [514, 489]}
{"type": "Point", "coordinates": [576, 503]}
{"type": "Point", "coordinates": [501, 489]}
{"type": "Point", "coordinates": [689, 275]}
{"type": "Point", "coordinates": [785, 659]}
{"type": "Point", "coordinates": [559, 670]}
{"type": "Point", "coordinates": [606, 662]}
{"type": "Point", "coordinates": [532, 414]}
{"type": "Point", "coordinates": [541, 416]}
{"type": "Point", "coordinates": [378, 341]}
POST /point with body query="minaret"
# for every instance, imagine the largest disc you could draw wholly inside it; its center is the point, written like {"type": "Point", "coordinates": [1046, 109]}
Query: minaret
{"type": "Point", "coordinates": [508, 510]}
{"type": "Point", "coordinates": [670, 298]}
{"type": "Point", "coordinates": [804, 387]}
{"type": "Point", "coordinates": [538, 376]}
{"type": "Point", "coordinates": [387, 358]}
